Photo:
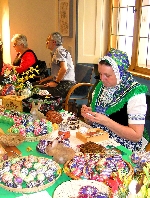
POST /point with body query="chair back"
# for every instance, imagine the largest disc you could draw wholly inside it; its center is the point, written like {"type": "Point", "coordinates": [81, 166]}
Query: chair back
{"type": "Point", "coordinates": [83, 74]}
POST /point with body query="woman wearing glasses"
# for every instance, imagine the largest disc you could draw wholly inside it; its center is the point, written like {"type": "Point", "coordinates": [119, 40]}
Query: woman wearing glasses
{"type": "Point", "coordinates": [25, 57]}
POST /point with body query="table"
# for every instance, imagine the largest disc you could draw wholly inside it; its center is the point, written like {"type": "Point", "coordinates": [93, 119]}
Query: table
{"type": "Point", "coordinates": [22, 147]}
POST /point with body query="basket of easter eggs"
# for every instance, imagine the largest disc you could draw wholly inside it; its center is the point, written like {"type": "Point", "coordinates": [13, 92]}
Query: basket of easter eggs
{"type": "Point", "coordinates": [11, 139]}
{"type": "Point", "coordinates": [28, 174]}
{"type": "Point", "coordinates": [110, 170]}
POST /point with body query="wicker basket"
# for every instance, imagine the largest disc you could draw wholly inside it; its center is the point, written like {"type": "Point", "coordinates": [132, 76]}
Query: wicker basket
{"type": "Point", "coordinates": [32, 189]}
{"type": "Point", "coordinates": [40, 137]}
{"type": "Point", "coordinates": [67, 170]}
{"type": "Point", "coordinates": [11, 139]}
{"type": "Point", "coordinates": [33, 138]}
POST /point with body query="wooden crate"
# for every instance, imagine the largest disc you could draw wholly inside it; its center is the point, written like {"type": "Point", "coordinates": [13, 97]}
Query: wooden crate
{"type": "Point", "coordinates": [93, 135]}
{"type": "Point", "coordinates": [12, 102]}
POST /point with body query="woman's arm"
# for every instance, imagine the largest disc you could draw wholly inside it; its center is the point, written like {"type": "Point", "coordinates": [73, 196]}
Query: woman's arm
{"type": "Point", "coordinates": [136, 110]}
{"type": "Point", "coordinates": [131, 132]}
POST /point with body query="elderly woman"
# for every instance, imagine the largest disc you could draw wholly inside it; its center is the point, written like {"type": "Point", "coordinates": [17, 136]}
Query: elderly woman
{"type": "Point", "coordinates": [118, 103]}
{"type": "Point", "coordinates": [25, 57]}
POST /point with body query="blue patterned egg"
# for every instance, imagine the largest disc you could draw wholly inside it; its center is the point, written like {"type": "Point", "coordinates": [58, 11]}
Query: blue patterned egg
{"type": "Point", "coordinates": [88, 190]}
{"type": "Point", "coordinates": [101, 195]}
{"type": "Point", "coordinates": [7, 163]}
{"type": "Point", "coordinates": [31, 184]}
{"type": "Point", "coordinates": [51, 178]}
{"type": "Point", "coordinates": [135, 157]}
{"type": "Point", "coordinates": [10, 184]}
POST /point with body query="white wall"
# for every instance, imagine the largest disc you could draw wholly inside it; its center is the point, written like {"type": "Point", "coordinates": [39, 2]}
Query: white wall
{"type": "Point", "coordinates": [36, 19]}
{"type": "Point", "coordinates": [0, 18]}
{"type": "Point", "coordinates": [5, 30]}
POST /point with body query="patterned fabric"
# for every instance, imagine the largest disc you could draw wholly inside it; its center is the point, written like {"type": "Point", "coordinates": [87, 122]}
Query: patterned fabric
{"type": "Point", "coordinates": [61, 54]}
{"type": "Point", "coordinates": [110, 100]}
{"type": "Point", "coordinates": [61, 89]}
{"type": "Point", "coordinates": [136, 117]}
{"type": "Point", "coordinates": [126, 90]}
{"type": "Point", "coordinates": [119, 62]}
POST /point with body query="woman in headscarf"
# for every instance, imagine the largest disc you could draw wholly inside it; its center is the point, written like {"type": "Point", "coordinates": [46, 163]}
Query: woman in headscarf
{"type": "Point", "coordinates": [119, 102]}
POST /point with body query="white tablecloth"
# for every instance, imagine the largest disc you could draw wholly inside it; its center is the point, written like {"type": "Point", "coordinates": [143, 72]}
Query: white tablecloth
{"type": "Point", "coordinates": [75, 141]}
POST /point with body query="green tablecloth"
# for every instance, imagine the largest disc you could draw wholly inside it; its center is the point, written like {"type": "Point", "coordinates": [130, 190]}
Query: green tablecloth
{"type": "Point", "coordinates": [23, 148]}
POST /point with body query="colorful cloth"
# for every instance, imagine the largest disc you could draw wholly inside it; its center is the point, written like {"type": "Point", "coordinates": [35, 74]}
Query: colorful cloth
{"type": "Point", "coordinates": [119, 62]}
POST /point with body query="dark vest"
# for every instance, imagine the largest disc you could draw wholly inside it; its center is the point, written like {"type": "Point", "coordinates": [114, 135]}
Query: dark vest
{"type": "Point", "coordinates": [120, 116]}
{"type": "Point", "coordinates": [17, 62]}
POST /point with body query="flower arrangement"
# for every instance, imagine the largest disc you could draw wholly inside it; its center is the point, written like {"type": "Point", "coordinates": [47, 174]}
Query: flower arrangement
{"type": "Point", "coordinates": [17, 83]}
{"type": "Point", "coordinates": [119, 184]}
{"type": "Point", "coordinates": [145, 183]}
{"type": "Point", "coordinates": [139, 187]}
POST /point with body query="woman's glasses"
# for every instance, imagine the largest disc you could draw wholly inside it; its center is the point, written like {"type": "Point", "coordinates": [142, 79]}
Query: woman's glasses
{"type": "Point", "coordinates": [15, 44]}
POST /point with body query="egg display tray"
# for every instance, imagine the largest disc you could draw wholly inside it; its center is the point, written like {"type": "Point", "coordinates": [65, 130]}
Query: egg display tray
{"type": "Point", "coordinates": [23, 188]}
{"type": "Point", "coordinates": [71, 188]}
{"type": "Point", "coordinates": [11, 139]}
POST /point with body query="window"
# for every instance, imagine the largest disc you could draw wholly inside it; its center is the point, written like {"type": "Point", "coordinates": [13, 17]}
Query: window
{"type": "Point", "coordinates": [130, 32]}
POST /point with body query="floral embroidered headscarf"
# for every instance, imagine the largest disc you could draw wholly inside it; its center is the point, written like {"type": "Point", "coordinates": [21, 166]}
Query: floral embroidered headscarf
{"type": "Point", "coordinates": [119, 62]}
{"type": "Point", "coordinates": [126, 88]}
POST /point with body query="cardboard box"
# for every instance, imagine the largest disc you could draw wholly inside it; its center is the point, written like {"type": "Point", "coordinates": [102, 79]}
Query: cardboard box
{"type": "Point", "coordinates": [93, 135]}
{"type": "Point", "coordinates": [13, 102]}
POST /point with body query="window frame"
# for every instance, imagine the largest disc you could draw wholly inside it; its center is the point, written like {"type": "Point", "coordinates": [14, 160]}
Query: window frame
{"type": "Point", "coordinates": [134, 68]}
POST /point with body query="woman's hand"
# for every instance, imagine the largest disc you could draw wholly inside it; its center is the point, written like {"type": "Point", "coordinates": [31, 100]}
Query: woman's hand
{"type": "Point", "coordinates": [96, 117]}
{"type": "Point", "coordinates": [88, 115]}
{"type": "Point", "coordinates": [85, 110]}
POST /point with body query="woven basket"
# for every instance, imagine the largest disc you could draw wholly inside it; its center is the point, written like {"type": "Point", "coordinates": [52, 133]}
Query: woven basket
{"type": "Point", "coordinates": [40, 137]}
{"type": "Point", "coordinates": [11, 139]}
{"type": "Point", "coordinates": [34, 138]}
{"type": "Point", "coordinates": [71, 188]}
{"type": "Point", "coordinates": [33, 189]}
{"type": "Point", "coordinates": [67, 170]}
